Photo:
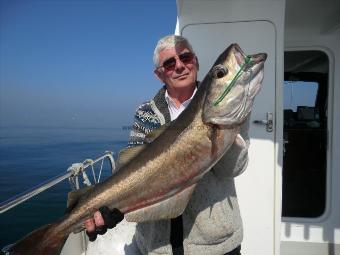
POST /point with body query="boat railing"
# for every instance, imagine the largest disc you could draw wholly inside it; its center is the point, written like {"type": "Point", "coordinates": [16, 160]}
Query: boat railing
{"type": "Point", "coordinates": [73, 173]}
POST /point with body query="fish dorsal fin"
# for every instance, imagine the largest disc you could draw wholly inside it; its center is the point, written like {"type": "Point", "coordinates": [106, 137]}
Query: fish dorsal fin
{"type": "Point", "coordinates": [167, 209]}
{"type": "Point", "coordinates": [127, 154]}
{"type": "Point", "coordinates": [155, 133]}
{"type": "Point", "coordinates": [74, 196]}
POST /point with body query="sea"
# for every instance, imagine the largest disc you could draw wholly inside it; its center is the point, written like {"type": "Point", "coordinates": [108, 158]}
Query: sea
{"type": "Point", "coordinates": [32, 155]}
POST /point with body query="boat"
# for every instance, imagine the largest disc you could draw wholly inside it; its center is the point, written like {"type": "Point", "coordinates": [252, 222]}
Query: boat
{"type": "Point", "coordinates": [289, 194]}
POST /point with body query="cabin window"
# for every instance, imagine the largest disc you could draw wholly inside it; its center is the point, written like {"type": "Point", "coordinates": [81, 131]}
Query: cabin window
{"type": "Point", "coordinates": [305, 134]}
{"type": "Point", "coordinates": [298, 93]}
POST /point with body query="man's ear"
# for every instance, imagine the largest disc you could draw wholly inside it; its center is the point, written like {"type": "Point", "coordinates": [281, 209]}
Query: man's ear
{"type": "Point", "coordinates": [159, 75]}
{"type": "Point", "coordinates": [197, 64]}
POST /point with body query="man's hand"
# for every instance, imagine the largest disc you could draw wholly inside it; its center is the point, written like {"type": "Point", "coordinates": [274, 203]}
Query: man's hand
{"type": "Point", "coordinates": [103, 219]}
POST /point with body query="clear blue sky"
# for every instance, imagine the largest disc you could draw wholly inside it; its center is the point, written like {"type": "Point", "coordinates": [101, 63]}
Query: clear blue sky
{"type": "Point", "coordinates": [78, 63]}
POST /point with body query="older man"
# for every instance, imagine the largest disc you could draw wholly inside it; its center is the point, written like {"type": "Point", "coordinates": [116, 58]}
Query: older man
{"type": "Point", "coordinates": [211, 223]}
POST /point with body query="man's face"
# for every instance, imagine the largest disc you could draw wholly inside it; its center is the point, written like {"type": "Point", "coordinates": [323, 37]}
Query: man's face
{"type": "Point", "coordinates": [183, 74]}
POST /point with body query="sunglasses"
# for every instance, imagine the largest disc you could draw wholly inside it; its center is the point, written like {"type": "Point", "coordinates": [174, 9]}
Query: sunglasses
{"type": "Point", "coordinates": [170, 64]}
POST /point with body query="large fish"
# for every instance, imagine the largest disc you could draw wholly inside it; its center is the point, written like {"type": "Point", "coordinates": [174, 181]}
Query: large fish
{"type": "Point", "coordinates": [158, 181]}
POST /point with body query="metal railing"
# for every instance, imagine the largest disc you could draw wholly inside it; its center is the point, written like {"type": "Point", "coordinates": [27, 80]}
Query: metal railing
{"type": "Point", "coordinates": [72, 174]}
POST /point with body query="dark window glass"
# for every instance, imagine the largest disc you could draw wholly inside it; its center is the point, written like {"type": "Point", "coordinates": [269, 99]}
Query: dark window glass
{"type": "Point", "coordinates": [305, 134]}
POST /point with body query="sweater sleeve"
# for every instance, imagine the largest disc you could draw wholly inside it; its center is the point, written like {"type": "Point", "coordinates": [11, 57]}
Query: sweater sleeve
{"type": "Point", "coordinates": [145, 121]}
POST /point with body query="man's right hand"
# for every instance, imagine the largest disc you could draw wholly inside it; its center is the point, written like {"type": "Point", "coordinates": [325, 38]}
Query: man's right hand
{"type": "Point", "coordinates": [102, 219]}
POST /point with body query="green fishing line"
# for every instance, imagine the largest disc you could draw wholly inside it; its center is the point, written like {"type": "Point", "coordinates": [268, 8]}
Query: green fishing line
{"type": "Point", "coordinates": [232, 83]}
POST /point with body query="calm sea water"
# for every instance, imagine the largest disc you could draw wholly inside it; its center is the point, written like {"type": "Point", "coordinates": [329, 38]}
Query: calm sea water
{"type": "Point", "coordinates": [29, 156]}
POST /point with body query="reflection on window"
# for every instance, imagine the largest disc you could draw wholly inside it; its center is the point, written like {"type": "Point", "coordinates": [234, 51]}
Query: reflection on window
{"type": "Point", "coordinates": [299, 93]}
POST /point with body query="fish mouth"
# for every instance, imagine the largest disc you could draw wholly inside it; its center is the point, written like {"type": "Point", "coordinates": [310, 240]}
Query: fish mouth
{"type": "Point", "coordinates": [252, 64]}
{"type": "Point", "coordinates": [259, 58]}
{"type": "Point", "coordinates": [257, 64]}
{"type": "Point", "coordinates": [254, 59]}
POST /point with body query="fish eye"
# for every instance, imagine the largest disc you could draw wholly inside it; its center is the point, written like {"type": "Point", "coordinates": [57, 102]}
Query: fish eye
{"type": "Point", "coordinates": [219, 71]}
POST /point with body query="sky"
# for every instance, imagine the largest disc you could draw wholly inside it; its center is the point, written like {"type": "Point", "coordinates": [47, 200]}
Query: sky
{"type": "Point", "coordinates": [299, 93]}
{"type": "Point", "coordinates": [78, 63]}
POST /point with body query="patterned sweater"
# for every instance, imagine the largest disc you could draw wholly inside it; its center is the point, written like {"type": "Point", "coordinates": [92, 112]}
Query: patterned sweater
{"type": "Point", "coordinates": [149, 116]}
{"type": "Point", "coordinates": [211, 222]}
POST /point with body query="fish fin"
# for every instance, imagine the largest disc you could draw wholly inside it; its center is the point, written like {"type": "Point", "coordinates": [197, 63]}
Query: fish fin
{"type": "Point", "coordinates": [77, 228]}
{"type": "Point", "coordinates": [40, 242]}
{"type": "Point", "coordinates": [167, 209]}
{"type": "Point", "coordinates": [126, 155]}
{"type": "Point", "coordinates": [155, 133]}
{"type": "Point", "coordinates": [73, 197]}
{"type": "Point", "coordinates": [240, 142]}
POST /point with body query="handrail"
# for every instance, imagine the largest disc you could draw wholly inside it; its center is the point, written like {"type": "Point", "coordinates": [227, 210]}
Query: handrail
{"type": "Point", "coordinates": [18, 199]}
{"type": "Point", "coordinates": [22, 197]}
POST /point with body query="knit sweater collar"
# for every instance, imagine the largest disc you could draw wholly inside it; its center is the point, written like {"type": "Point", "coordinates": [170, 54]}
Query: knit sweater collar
{"type": "Point", "coordinates": [162, 105]}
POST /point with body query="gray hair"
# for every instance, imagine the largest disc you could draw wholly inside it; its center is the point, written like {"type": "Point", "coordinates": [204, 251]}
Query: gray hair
{"type": "Point", "coordinates": [168, 42]}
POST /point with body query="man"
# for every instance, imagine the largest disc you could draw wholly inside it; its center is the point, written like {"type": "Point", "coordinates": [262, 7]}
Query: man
{"type": "Point", "coordinates": [211, 223]}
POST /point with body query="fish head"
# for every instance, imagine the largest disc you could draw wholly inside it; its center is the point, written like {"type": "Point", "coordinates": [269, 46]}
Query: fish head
{"type": "Point", "coordinates": [235, 80]}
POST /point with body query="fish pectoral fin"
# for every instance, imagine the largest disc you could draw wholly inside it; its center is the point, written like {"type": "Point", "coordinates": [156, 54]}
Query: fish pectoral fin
{"type": "Point", "coordinates": [126, 155]}
{"type": "Point", "coordinates": [73, 197]}
{"type": "Point", "coordinates": [77, 228]}
{"type": "Point", "coordinates": [240, 142]}
{"type": "Point", "coordinates": [167, 209]}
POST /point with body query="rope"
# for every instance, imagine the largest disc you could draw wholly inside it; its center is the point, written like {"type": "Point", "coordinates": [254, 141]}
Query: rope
{"type": "Point", "coordinates": [79, 168]}
{"type": "Point", "coordinates": [75, 169]}
{"type": "Point", "coordinates": [86, 180]}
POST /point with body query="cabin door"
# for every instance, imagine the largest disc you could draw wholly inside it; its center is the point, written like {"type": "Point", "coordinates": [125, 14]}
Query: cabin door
{"type": "Point", "coordinates": [256, 187]}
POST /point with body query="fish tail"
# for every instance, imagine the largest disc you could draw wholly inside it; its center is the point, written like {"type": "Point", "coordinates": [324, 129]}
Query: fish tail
{"type": "Point", "coordinates": [43, 241]}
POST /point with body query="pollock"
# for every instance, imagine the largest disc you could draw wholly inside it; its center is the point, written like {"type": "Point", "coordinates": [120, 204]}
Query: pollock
{"type": "Point", "coordinates": [155, 181]}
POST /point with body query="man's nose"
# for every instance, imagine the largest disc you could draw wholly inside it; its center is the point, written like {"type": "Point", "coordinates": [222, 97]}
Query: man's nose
{"type": "Point", "coordinates": [179, 63]}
